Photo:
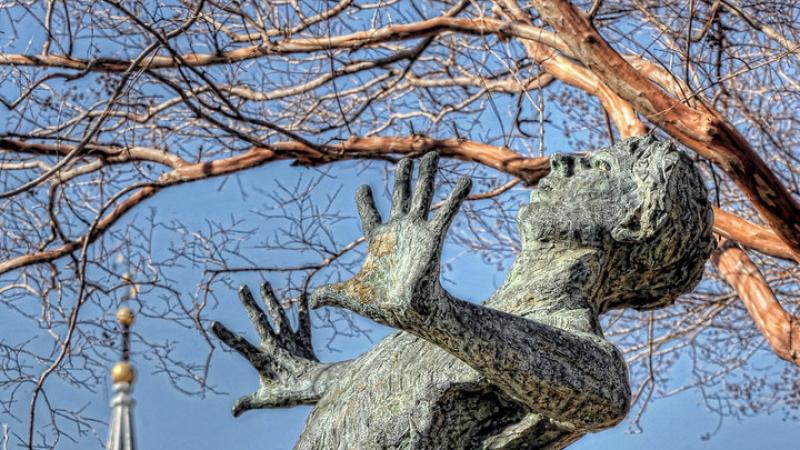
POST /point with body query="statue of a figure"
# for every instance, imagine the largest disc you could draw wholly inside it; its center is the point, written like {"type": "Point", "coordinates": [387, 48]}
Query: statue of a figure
{"type": "Point", "coordinates": [628, 226]}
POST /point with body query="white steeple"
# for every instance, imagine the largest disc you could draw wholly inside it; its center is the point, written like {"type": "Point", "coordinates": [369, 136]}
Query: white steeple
{"type": "Point", "coordinates": [120, 430]}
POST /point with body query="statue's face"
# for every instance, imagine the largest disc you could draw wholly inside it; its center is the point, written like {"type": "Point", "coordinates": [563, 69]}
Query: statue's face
{"type": "Point", "coordinates": [581, 200]}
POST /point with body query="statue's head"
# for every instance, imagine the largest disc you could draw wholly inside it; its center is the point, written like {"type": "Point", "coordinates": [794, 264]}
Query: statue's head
{"type": "Point", "coordinates": [641, 204]}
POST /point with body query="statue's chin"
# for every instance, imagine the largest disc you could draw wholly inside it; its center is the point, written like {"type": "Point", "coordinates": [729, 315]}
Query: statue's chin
{"type": "Point", "coordinates": [576, 220]}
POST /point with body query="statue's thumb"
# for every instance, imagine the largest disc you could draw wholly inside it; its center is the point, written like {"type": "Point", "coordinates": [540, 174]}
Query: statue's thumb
{"type": "Point", "coordinates": [245, 403]}
{"type": "Point", "coordinates": [330, 295]}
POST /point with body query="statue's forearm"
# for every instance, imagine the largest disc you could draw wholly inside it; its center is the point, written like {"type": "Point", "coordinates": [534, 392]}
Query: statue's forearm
{"type": "Point", "coordinates": [569, 377]}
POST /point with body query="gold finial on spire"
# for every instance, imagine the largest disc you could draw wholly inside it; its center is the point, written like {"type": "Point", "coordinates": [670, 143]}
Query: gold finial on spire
{"type": "Point", "coordinates": [123, 371]}
{"type": "Point", "coordinates": [125, 316]}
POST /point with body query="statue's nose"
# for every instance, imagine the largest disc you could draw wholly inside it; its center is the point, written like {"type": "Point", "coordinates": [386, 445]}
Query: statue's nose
{"type": "Point", "coordinates": [563, 164]}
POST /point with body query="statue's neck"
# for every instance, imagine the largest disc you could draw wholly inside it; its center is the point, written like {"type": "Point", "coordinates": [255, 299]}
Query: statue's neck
{"type": "Point", "coordinates": [553, 284]}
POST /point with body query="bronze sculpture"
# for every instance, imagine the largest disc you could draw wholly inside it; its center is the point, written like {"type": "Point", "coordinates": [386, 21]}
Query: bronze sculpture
{"type": "Point", "coordinates": [629, 226]}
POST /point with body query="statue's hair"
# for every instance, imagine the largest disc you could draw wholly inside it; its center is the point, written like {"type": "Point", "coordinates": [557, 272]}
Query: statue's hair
{"type": "Point", "coordinates": [663, 242]}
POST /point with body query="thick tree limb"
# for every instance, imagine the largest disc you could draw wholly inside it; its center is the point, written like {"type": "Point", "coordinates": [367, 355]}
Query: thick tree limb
{"type": "Point", "coordinates": [780, 329]}
{"type": "Point", "coordinates": [109, 153]}
{"type": "Point", "coordinates": [353, 41]}
{"type": "Point", "coordinates": [750, 235]}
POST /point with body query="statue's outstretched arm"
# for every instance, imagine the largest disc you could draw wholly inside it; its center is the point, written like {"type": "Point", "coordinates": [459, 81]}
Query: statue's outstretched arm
{"type": "Point", "coordinates": [575, 378]}
{"type": "Point", "coordinates": [289, 372]}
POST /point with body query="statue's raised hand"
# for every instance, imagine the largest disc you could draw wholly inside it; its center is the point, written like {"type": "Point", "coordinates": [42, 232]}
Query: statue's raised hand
{"type": "Point", "coordinates": [289, 372]}
{"type": "Point", "coordinates": [399, 280]}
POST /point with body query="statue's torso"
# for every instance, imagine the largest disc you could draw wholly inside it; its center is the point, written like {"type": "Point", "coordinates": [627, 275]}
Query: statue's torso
{"type": "Point", "coordinates": [406, 393]}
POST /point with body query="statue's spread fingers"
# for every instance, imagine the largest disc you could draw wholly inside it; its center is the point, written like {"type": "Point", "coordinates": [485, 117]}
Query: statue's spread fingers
{"type": "Point", "coordinates": [402, 188]}
{"type": "Point", "coordinates": [451, 205]}
{"type": "Point", "coordinates": [258, 400]}
{"type": "Point", "coordinates": [370, 218]}
{"type": "Point", "coordinates": [275, 309]}
{"type": "Point", "coordinates": [240, 344]}
{"type": "Point", "coordinates": [423, 193]}
{"type": "Point", "coordinates": [257, 316]}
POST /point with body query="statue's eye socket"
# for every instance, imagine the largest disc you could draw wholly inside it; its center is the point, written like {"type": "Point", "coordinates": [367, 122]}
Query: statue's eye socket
{"type": "Point", "coordinates": [600, 164]}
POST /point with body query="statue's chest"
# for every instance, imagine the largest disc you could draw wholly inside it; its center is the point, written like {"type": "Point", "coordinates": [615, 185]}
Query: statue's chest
{"type": "Point", "coordinates": [407, 393]}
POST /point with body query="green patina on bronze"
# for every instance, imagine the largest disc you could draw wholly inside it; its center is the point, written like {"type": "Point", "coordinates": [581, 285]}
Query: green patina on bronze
{"type": "Point", "coordinates": [379, 256]}
{"type": "Point", "coordinates": [627, 226]}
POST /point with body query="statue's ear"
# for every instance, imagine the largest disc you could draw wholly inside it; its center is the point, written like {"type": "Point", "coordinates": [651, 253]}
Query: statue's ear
{"type": "Point", "coordinates": [643, 221]}
{"type": "Point", "coordinates": [630, 227]}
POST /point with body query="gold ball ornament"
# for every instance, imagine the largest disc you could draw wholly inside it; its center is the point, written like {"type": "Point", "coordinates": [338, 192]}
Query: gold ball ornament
{"type": "Point", "coordinates": [125, 316]}
{"type": "Point", "coordinates": [123, 373]}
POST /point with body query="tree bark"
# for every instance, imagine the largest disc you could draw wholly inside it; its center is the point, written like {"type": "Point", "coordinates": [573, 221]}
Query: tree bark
{"type": "Point", "coordinates": [779, 328]}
